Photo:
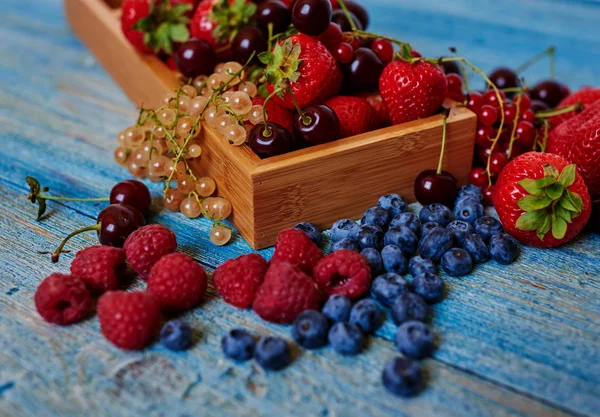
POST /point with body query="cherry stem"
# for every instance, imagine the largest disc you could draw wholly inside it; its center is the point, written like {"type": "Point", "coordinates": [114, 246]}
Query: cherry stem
{"type": "Point", "coordinates": [57, 198]}
{"type": "Point", "coordinates": [305, 119]}
{"type": "Point", "coordinates": [347, 13]}
{"type": "Point", "coordinates": [270, 41]}
{"type": "Point", "coordinates": [512, 90]}
{"type": "Point", "coordinates": [441, 161]}
{"type": "Point", "coordinates": [59, 250]}
{"type": "Point", "coordinates": [267, 132]}
{"type": "Point", "coordinates": [577, 107]}
{"type": "Point", "coordinates": [364, 34]}
{"type": "Point", "coordinates": [463, 68]}
{"type": "Point", "coordinates": [550, 51]}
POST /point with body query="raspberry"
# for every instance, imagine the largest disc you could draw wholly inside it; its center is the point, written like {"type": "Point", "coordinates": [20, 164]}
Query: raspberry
{"type": "Point", "coordinates": [128, 319]}
{"type": "Point", "coordinates": [63, 299]}
{"type": "Point", "coordinates": [147, 245]}
{"type": "Point", "coordinates": [237, 280]}
{"type": "Point", "coordinates": [285, 293]}
{"type": "Point", "coordinates": [177, 283]}
{"type": "Point", "coordinates": [343, 272]}
{"type": "Point", "coordinates": [295, 247]}
{"type": "Point", "coordinates": [101, 268]}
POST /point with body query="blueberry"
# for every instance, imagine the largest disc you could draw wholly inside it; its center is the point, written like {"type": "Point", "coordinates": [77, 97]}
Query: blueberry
{"type": "Point", "coordinates": [238, 344]}
{"type": "Point", "coordinates": [373, 257]}
{"type": "Point", "coordinates": [417, 265]}
{"type": "Point", "coordinates": [346, 243]}
{"type": "Point", "coordinates": [436, 212]}
{"type": "Point", "coordinates": [468, 210]}
{"type": "Point", "coordinates": [366, 315]}
{"type": "Point", "coordinates": [460, 229]}
{"type": "Point", "coordinates": [477, 248]}
{"type": "Point", "coordinates": [343, 229]}
{"type": "Point", "coordinates": [311, 231]}
{"type": "Point", "coordinates": [337, 308]}
{"type": "Point", "coordinates": [402, 237]}
{"type": "Point", "coordinates": [470, 191]}
{"type": "Point", "coordinates": [402, 377]}
{"type": "Point", "coordinates": [310, 329]}
{"type": "Point", "coordinates": [429, 286]}
{"type": "Point", "coordinates": [414, 339]}
{"type": "Point", "coordinates": [427, 227]}
{"type": "Point", "coordinates": [387, 287]}
{"type": "Point", "coordinates": [487, 226]}
{"type": "Point", "coordinates": [176, 335]}
{"type": "Point", "coordinates": [409, 307]}
{"type": "Point", "coordinates": [393, 203]}
{"type": "Point", "coordinates": [408, 219]}
{"type": "Point", "coordinates": [503, 248]}
{"type": "Point", "coordinates": [346, 338]}
{"type": "Point", "coordinates": [457, 262]}
{"type": "Point", "coordinates": [377, 216]}
{"type": "Point", "coordinates": [393, 259]}
{"type": "Point", "coordinates": [435, 243]}
{"type": "Point", "coordinates": [272, 353]}
{"type": "Point", "coordinates": [370, 236]}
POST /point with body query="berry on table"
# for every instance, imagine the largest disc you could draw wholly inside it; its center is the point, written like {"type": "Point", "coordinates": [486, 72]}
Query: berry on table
{"type": "Point", "coordinates": [363, 73]}
{"type": "Point", "coordinates": [402, 237]}
{"type": "Point", "coordinates": [101, 268]}
{"type": "Point", "coordinates": [460, 229]}
{"type": "Point", "coordinates": [417, 265]}
{"type": "Point", "coordinates": [402, 377]}
{"type": "Point", "coordinates": [468, 210]}
{"type": "Point", "coordinates": [408, 307]}
{"type": "Point", "coordinates": [376, 216]}
{"type": "Point", "coordinates": [373, 257]}
{"type": "Point", "coordinates": [394, 204]}
{"type": "Point", "coordinates": [272, 353]}
{"type": "Point", "coordinates": [487, 226]}
{"type": "Point", "coordinates": [344, 228]}
{"type": "Point", "coordinates": [63, 299]}
{"type": "Point", "coordinates": [388, 287]}
{"type": "Point", "coordinates": [346, 244]}
{"type": "Point", "coordinates": [393, 259]}
{"type": "Point", "coordinates": [429, 286]}
{"type": "Point", "coordinates": [414, 339]}
{"type": "Point", "coordinates": [310, 329]}
{"type": "Point", "coordinates": [311, 231]}
{"type": "Point", "coordinates": [133, 193]}
{"type": "Point", "coordinates": [337, 308]}
{"type": "Point", "coordinates": [269, 140]}
{"type": "Point", "coordinates": [435, 243]}
{"type": "Point", "coordinates": [295, 247]}
{"type": "Point", "coordinates": [475, 245]}
{"type": "Point", "coordinates": [370, 236]}
{"type": "Point", "coordinates": [366, 315]}
{"type": "Point", "coordinates": [436, 212]}
{"type": "Point", "coordinates": [503, 248]}
{"type": "Point", "coordinates": [176, 335]}
{"type": "Point", "coordinates": [147, 245]}
{"type": "Point", "coordinates": [470, 191]}
{"type": "Point", "coordinates": [238, 344]}
{"type": "Point", "coordinates": [343, 272]}
{"type": "Point", "coordinates": [504, 78]}
{"type": "Point", "coordinates": [457, 262]}
{"type": "Point", "coordinates": [237, 280]}
{"type": "Point", "coordinates": [407, 219]}
{"type": "Point", "coordinates": [316, 124]}
{"type": "Point", "coordinates": [428, 227]}
{"type": "Point", "coordinates": [346, 338]}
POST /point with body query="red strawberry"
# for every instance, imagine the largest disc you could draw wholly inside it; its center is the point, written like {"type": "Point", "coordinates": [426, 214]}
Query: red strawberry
{"type": "Point", "coordinates": [380, 117]}
{"type": "Point", "coordinates": [101, 268]}
{"type": "Point", "coordinates": [355, 114]}
{"type": "Point", "coordinates": [145, 22]}
{"type": "Point", "coordinates": [276, 113]}
{"type": "Point", "coordinates": [541, 199]}
{"type": "Point", "coordinates": [237, 280]}
{"type": "Point", "coordinates": [412, 91]}
{"type": "Point", "coordinates": [578, 140]}
{"type": "Point", "coordinates": [586, 96]}
{"type": "Point", "coordinates": [312, 72]}
{"type": "Point", "coordinates": [298, 249]}
{"type": "Point", "coordinates": [285, 293]}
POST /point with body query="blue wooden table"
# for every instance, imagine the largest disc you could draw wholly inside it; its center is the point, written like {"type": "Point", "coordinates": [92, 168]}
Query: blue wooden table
{"type": "Point", "coordinates": [517, 340]}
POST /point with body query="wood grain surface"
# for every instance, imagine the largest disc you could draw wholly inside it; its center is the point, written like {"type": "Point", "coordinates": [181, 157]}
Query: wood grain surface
{"type": "Point", "coordinates": [521, 340]}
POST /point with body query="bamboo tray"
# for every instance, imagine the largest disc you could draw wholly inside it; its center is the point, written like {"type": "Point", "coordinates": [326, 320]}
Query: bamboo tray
{"type": "Point", "coordinates": [320, 184]}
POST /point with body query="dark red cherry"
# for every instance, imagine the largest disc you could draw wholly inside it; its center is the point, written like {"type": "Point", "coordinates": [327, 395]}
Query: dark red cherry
{"type": "Point", "coordinates": [431, 187]}
{"type": "Point", "coordinates": [117, 222]}
{"type": "Point", "coordinates": [451, 67]}
{"type": "Point", "coordinates": [363, 73]}
{"type": "Point", "coordinates": [504, 78]}
{"type": "Point", "coordinates": [250, 39]}
{"type": "Point", "coordinates": [312, 17]}
{"type": "Point", "coordinates": [269, 141]}
{"type": "Point", "coordinates": [550, 92]}
{"type": "Point", "coordinates": [133, 193]}
{"type": "Point", "coordinates": [339, 18]}
{"type": "Point", "coordinates": [319, 125]}
{"type": "Point", "coordinates": [275, 12]}
{"type": "Point", "coordinates": [195, 57]}
{"type": "Point", "coordinates": [359, 11]}
{"type": "Point", "coordinates": [332, 37]}
{"type": "Point", "coordinates": [538, 105]}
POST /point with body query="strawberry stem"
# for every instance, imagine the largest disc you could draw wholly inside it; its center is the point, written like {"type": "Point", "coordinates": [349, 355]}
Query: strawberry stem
{"type": "Point", "coordinates": [441, 160]}
{"type": "Point", "coordinates": [347, 13]}
{"type": "Point", "coordinates": [59, 250]}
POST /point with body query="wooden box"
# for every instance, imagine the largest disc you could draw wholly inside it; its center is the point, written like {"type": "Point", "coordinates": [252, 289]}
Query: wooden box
{"type": "Point", "coordinates": [319, 184]}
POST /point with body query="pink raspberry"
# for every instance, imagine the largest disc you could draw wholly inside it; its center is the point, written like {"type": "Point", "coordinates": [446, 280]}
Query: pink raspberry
{"type": "Point", "coordinates": [285, 293]}
{"type": "Point", "coordinates": [101, 268]}
{"type": "Point", "coordinates": [295, 247]}
{"type": "Point", "coordinates": [147, 245]}
{"type": "Point", "coordinates": [177, 283]}
{"type": "Point", "coordinates": [128, 319]}
{"type": "Point", "coordinates": [63, 299]}
{"type": "Point", "coordinates": [343, 272]}
{"type": "Point", "coordinates": [237, 280]}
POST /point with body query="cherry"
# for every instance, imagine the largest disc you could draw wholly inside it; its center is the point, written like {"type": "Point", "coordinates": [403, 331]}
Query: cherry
{"type": "Point", "coordinates": [339, 18]}
{"type": "Point", "coordinates": [250, 39]}
{"type": "Point", "coordinates": [269, 140]}
{"type": "Point", "coordinates": [343, 53]}
{"type": "Point", "coordinates": [274, 12]}
{"type": "Point", "coordinates": [415, 54]}
{"type": "Point", "coordinates": [484, 135]}
{"type": "Point", "coordinates": [488, 195]}
{"type": "Point", "coordinates": [538, 105]}
{"type": "Point", "coordinates": [504, 78]}
{"type": "Point", "coordinates": [549, 91]}
{"type": "Point", "coordinates": [478, 177]}
{"type": "Point", "coordinates": [525, 134]}
{"type": "Point", "coordinates": [455, 83]}
{"type": "Point", "coordinates": [317, 124]}
{"type": "Point", "coordinates": [363, 72]}
{"type": "Point", "coordinates": [132, 193]}
{"type": "Point", "coordinates": [332, 37]}
{"type": "Point", "coordinates": [359, 11]}
{"type": "Point", "coordinates": [115, 223]}
{"type": "Point", "coordinates": [312, 17]}
{"type": "Point", "coordinates": [490, 97]}
{"type": "Point", "coordinates": [487, 115]}
{"type": "Point", "coordinates": [195, 57]}
{"type": "Point", "coordinates": [384, 50]}
{"type": "Point", "coordinates": [475, 102]}
{"type": "Point", "coordinates": [450, 67]}
{"type": "Point", "coordinates": [497, 162]}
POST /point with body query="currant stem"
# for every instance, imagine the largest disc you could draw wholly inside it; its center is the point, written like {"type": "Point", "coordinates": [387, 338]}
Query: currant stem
{"type": "Point", "coordinates": [267, 132]}
{"type": "Point", "coordinates": [364, 34]}
{"type": "Point", "coordinates": [514, 128]}
{"type": "Point", "coordinates": [305, 119]}
{"type": "Point", "coordinates": [545, 141]}
{"type": "Point", "coordinates": [550, 51]}
{"type": "Point", "coordinates": [347, 13]}
{"type": "Point", "coordinates": [557, 112]}
{"type": "Point", "coordinates": [59, 250]}
{"type": "Point", "coordinates": [441, 161]}
{"type": "Point", "coordinates": [56, 198]}
{"type": "Point", "coordinates": [512, 90]}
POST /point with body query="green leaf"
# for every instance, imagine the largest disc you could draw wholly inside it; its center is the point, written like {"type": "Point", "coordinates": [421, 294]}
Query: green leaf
{"type": "Point", "coordinates": [532, 187]}
{"type": "Point", "coordinates": [179, 32]}
{"type": "Point", "coordinates": [567, 176]}
{"type": "Point", "coordinates": [531, 203]}
{"type": "Point", "coordinates": [566, 203]}
{"type": "Point", "coordinates": [405, 51]}
{"type": "Point", "coordinates": [576, 200]}
{"type": "Point", "coordinates": [550, 171]}
{"type": "Point", "coordinates": [544, 228]}
{"type": "Point", "coordinates": [41, 208]}
{"type": "Point", "coordinates": [266, 57]}
{"type": "Point", "coordinates": [34, 187]}
{"type": "Point", "coordinates": [562, 212]}
{"type": "Point", "coordinates": [559, 227]}
{"type": "Point", "coordinates": [554, 191]}
{"type": "Point", "coordinates": [532, 220]}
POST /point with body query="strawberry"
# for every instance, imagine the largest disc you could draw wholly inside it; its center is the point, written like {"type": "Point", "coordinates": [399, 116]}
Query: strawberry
{"type": "Point", "coordinates": [578, 140]}
{"type": "Point", "coordinates": [541, 199]}
{"type": "Point", "coordinates": [380, 115]}
{"type": "Point", "coordinates": [154, 26]}
{"type": "Point", "coordinates": [412, 90]}
{"type": "Point", "coordinates": [306, 64]}
{"type": "Point", "coordinates": [276, 113]}
{"type": "Point", "coordinates": [355, 114]}
{"type": "Point", "coordinates": [586, 96]}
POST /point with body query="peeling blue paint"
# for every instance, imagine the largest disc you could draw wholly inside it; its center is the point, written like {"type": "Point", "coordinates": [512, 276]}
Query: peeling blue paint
{"type": "Point", "coordinates": [6, 387]}
{"type": "Point", "coordinates": [12, 291]}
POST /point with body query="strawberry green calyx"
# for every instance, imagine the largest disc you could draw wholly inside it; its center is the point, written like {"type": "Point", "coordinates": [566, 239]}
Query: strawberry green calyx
{"type": "Point", "coordinates": [230, 18]}
{"type": "Point", "coordinates": [282, 64]}
{"type": "Point", "coordinates": [550, 205]}
{"type": "Point", "coordinates": [165, 25]}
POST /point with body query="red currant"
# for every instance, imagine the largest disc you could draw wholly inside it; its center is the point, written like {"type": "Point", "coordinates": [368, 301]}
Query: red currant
{"type": "Point", "coordinates": [457, 96]}
{"type": "Point", "coordinates": [488, 194]}
{"type": "Point", "coordinates": [487, 115]}
{"type": "Point", "coordinates": [384, 50]}
{"type": "Point", "coordinates": [497, 162]}
{"type": "Point", "coordinates": [475, 102]}
{"type": "Point", "coordinates": [510, 113]}
{"type": "Point", "coordinates": [344, 53]}
{"type": "Point", "coordinates": [525, 134]}
{"type": "Point", "coordinates": [332, 37]}
{"type": "Point", "coordinates": [528, 116]}
{"type": "Point", "coordinates": [478, 177]}
{"type": "Point", "coordinates": [523, 101]}
{"type": "Point", "coordinates": [484, 135]}
{"type": "Point", "coordinates": [491, 98]}
{"type": "Point", "coordinates": [349, 37]}
{"type": "Point", "coordinates": [455, 83]}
